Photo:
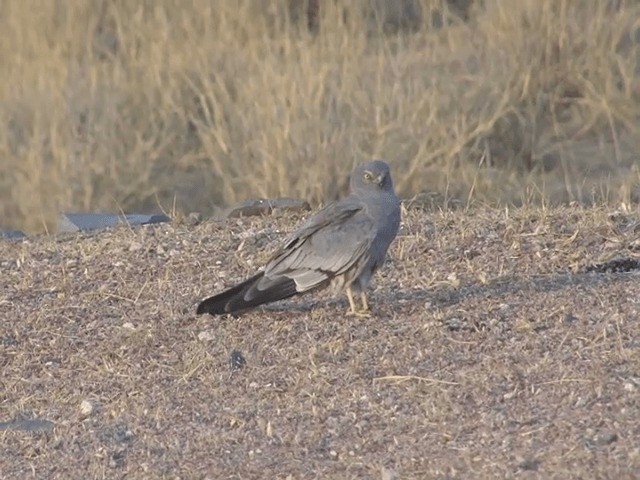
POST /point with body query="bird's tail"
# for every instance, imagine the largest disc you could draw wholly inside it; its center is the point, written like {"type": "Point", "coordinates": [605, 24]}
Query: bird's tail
{"type": "Point", "coordinates": [248, 295]}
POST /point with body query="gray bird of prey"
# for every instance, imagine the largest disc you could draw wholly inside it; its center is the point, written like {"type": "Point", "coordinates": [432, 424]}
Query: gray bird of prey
{"type": "Point", "coordinates": [341, 246]}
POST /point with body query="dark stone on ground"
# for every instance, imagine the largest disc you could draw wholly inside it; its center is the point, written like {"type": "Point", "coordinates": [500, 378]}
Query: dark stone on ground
{"type": "Point", "coordinates": [262, 206]}
{"type": "Point", "coordinates": [11, 234]}
{"type": "Point", "coordinates": [617, 265]}
{"type": "Point", "coordinates": [75, 222]}
{"type": "Point", "coordinates": [236, 360]}
{"type": "Point", "coordinates": [27, 425]}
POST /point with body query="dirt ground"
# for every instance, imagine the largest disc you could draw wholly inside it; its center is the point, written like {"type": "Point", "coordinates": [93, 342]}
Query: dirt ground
{"type": "Point", "coordinates": [502, 344]}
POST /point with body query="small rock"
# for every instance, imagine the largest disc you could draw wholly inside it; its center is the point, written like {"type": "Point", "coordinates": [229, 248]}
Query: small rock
{"type": "Point", "coordinates": [86, 408]}
{"type": "Point", "coordinates": [194, 218]}
{"type": "Point", "coordinates": [429, 229]}
{"type": "Point", "coordinates": [135, 246]}
{"type": "Point", "coordinates": [117, 458]}
{"type": "Point", "coordinates": [388, 474]}
{"type": "Point", "coordinates": [615, 265]}
{"type": "Point", "coordinates": [282, 205]}
{"type": "Point", "coordinates": [236, 360]}
{"type": "Point", "coordinates": [263, 206]}
{"type": "Point", "coordinates": [510, 395]}
{"type": "Point", "coordinates": [128, 326]}
{"type": "Point", "coordinates": [206, 336]}
{"type": "Point", "coordinates": [248, 209]}
{"type": "Point", "coordinates": [8, 341]}
{"type": "Point", "coordinates": [606, 438]}
{"type": "Point", "coordinates": [529, 464]}
{"type": "Point", "coordinates": [580, 402]}
{"type": "Point", "coordinates": [122, 434]}
{"type": "Point", "coordinates": [454, 324]}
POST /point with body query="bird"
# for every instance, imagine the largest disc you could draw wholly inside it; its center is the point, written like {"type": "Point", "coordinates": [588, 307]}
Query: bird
{"type": "Point", "coordinates": [341, 246]}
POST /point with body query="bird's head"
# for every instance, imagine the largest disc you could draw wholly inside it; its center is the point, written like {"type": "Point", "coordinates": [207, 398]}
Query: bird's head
{"type": "Point", "coordinates": [371, 176]}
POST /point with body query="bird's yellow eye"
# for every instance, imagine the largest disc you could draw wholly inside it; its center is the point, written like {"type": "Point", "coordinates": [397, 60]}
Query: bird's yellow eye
{"type": "Point", "coordinates": [367, 176]}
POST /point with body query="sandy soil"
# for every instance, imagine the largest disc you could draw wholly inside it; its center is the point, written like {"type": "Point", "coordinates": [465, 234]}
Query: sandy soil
{"type": "Point", "coordinates": [502, 344]}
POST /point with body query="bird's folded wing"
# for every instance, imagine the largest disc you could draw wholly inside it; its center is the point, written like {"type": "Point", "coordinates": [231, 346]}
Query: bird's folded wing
{"type": "Point", "coordinates": [332, 242]}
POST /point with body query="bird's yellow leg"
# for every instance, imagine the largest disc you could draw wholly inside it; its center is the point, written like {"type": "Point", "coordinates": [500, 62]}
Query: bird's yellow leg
{"type": "Point", "coordinates": [365, 303]}
{"type": "Point", "coordinates": [353, 311]}
{"type": "Point", "coordinates": [352, 304]}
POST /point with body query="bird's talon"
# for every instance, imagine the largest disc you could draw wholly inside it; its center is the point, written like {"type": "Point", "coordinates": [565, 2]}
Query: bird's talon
{"type": "Point", "coordinates": [359, 313]}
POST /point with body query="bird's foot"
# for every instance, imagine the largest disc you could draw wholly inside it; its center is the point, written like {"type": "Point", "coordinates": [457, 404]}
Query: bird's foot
{"type": "Point", "coordinates": [354, 311]}
{"type": "Point", "coordinates": [359, 313]}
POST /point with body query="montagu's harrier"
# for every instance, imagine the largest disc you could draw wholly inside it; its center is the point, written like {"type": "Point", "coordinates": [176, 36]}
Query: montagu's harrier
{"type": "Point", "coordinates": [342, 245]}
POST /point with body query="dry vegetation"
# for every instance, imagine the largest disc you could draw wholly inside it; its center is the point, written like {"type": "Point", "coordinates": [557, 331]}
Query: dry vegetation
{"type": "Point", "coordinates": [114, 104]}
{"type": "Point", "coordinates": [493, 352]}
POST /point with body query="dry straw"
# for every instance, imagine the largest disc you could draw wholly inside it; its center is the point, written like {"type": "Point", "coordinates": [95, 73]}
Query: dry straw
{"type": "Point", "coordinates": [117, 104]}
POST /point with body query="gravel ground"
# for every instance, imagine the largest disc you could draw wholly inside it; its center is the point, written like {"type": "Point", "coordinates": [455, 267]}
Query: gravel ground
{"type": "Point", "coordinates": [502, 344]}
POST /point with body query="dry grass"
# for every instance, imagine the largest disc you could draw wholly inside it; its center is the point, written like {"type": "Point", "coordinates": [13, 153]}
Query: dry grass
{"type": "Point", "coordinates": [109, 105]}
{"type": "Point", "coordinates": [491, 354]}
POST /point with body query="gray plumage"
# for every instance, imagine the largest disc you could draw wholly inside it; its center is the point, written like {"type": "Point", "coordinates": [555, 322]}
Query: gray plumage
{"type": "Point", "coordinates": [342, 245]}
